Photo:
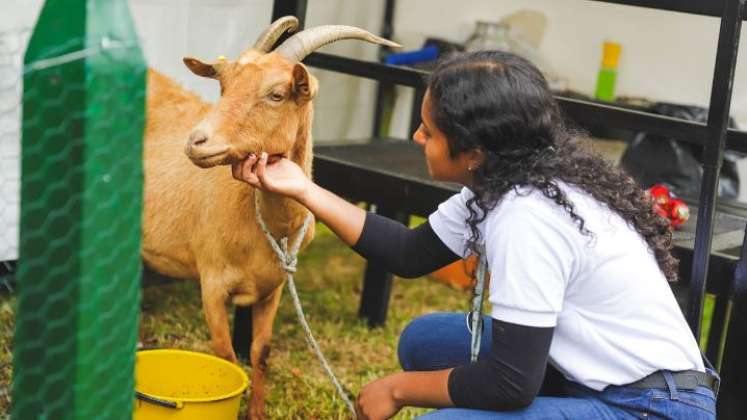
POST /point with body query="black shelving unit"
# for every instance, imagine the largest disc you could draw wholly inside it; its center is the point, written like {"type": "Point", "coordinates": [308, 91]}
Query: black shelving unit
{"type": "Point", "coordinates": [392, 175]}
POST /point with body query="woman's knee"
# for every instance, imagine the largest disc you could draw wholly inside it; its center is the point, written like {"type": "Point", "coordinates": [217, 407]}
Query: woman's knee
{"type": "Point", "coordinates": [421, 337]}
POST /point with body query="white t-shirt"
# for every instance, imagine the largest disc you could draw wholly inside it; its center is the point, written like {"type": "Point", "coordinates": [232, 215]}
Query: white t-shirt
{"type": "Point", "coordinates": [615, 317]}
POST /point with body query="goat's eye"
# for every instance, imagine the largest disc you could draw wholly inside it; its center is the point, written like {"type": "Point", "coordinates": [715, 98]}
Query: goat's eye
{"type": "Point", "coordinates": [276, 96]}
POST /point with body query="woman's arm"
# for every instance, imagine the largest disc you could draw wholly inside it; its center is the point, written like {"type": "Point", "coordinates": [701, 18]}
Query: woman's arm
{"type": "Point", "coordinates": [384, 397]}
{"type": "Point", "coordinates": [406, 252]}
{"type": "Point", "coordinates": [400, 250]}
{"type": "Point", "coordinates": [286, 178]}
{"type": "Point", "coordinates": [345, 219]}
{"type": "Point", "coordinates": [510, 376]}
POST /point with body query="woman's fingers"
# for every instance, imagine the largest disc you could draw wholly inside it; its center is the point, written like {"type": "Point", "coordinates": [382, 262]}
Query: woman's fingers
{"type": "Point", "coordinates": [236, 170]}
{"type": "Point", "coordinates": [247, 167]}
{"type": "Point", "coordinates": [243, 171]}
{"type": "Point", "coordinates": [259, 170]}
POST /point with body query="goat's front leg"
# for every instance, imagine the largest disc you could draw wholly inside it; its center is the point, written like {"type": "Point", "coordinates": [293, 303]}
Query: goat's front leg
{"type": "Point", "coordinates": [263, 316]}
{"type": "Point", "coordinates": [214, 306]}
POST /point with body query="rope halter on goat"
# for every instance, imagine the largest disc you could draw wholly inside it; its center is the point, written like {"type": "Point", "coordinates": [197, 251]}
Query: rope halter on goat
{"type": "Point", "coordinates": [289, 260]}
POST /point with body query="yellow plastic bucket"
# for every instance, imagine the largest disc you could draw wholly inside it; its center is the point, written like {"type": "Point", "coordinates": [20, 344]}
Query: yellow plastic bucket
{"type": "Point", "coordinates": [186, 385]}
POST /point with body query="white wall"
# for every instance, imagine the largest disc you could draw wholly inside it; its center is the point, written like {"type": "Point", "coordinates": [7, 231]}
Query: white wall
{"type": "Point", "coordinates": [172, 29]}
{"type": "Point", "coordinates": [16, 20]}
{"type": "Point", "coordinates": [11, 44]}
{"type": "Point", "coordinates": [209, 28]}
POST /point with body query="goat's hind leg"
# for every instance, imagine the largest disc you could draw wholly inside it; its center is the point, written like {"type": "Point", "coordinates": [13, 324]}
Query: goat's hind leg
{"type": "Point", "coordinates": [263, 316]}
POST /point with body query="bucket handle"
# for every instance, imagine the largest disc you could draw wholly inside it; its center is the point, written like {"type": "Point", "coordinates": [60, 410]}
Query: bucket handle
{"type": "Point", "coordinates": [159, 401]}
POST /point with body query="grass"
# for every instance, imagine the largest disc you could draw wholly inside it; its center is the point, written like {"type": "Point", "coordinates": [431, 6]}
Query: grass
{"type": "Point", "coordinates": [7, 323]}
{"type": "Point", "coordinates": [329, 285]}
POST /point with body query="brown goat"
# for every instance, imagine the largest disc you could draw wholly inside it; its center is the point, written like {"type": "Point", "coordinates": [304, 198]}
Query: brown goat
{"type": "Point", "coordinates": [200, 223]}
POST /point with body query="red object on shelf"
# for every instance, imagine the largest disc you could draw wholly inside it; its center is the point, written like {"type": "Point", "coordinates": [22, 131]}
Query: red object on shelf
{"type": "Point", "coordinates": [661, 210]}
{"type": "Point", "coordinates": [668, 206]}
{"type": "Point", "coordinates": [661, 195]}
{"type": "Point", "coordinates": [679, 212]}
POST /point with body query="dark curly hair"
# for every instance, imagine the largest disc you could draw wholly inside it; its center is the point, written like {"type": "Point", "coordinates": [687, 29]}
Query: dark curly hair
{"type": "Point", "coordinates": [501, 104]}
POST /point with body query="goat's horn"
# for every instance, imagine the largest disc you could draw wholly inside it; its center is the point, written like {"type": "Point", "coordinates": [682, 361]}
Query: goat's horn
{"type": "Point", "coordinates": [268, 38]}
{"type": "Point", "coordinates": [297, 47]}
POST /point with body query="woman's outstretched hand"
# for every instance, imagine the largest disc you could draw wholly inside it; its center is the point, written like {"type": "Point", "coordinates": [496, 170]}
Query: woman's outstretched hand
{"type": "Point", "coordinates": [282, 176]}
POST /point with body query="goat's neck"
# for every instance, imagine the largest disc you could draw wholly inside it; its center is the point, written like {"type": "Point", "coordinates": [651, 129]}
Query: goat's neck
{"type": "Point", "coordinates": [283, 215]}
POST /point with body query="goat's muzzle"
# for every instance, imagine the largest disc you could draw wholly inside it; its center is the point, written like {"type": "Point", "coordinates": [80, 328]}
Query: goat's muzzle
{"type": "Point", "coordinates": [203, 154]}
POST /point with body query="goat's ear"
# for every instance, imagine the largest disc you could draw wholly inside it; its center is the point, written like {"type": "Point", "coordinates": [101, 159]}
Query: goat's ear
{"type": "Point", "coordinates": [201, 69]}
{"type": "Point", "coordinates": [304, 85]}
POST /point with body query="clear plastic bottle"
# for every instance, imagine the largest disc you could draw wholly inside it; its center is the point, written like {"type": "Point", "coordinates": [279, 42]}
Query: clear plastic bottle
{"type": "Point", "coordinates": [489, 36]}
{"type": "Point", "coordinates": [499, 36]}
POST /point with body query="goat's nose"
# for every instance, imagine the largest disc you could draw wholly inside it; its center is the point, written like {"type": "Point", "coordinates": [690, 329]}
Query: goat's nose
{"type": "Point", "coordinates": [197, 138]}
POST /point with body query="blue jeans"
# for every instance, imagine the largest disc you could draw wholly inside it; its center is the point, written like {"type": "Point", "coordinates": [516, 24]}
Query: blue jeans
{"type": "Point", "coordinates": [441, 340]}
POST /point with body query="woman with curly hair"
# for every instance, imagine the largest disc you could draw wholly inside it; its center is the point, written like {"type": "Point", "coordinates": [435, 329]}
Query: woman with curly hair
{"type": "Point", "coordinates": [582, 322]}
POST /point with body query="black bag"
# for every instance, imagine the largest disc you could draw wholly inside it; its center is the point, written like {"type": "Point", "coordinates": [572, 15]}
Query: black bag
{"type": "Point", "coordinates": [653, 159]}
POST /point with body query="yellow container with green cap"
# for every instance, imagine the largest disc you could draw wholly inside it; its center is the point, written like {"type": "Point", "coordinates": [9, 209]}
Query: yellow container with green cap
{"type": "Point", "coordinates": [186, 385]}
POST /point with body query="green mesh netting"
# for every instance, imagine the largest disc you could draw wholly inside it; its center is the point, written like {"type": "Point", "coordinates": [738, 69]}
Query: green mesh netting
{"type": "Point", "coordinates": [81, 196]}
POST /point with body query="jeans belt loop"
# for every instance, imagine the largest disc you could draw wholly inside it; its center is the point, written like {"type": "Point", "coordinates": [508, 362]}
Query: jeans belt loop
{"type": "Point", "coordinates": [716, 382]}
{"type": "Point", "coordinates": [669, 379]}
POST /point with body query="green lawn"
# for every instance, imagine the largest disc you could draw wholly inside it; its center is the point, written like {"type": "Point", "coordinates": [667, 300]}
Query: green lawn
{"type": "Point", "coordinates": [7, 323]}
{"type": "Point", "coordinates": [329, 284]}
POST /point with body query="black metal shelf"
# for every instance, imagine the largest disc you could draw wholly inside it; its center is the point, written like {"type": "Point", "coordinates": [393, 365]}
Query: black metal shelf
{"type": "Point", "coordinates": [697, 7]}
{"type": "Point", "coordinates": [370, 70]}
{"type": "Point", "coordinates": [585, 113]}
